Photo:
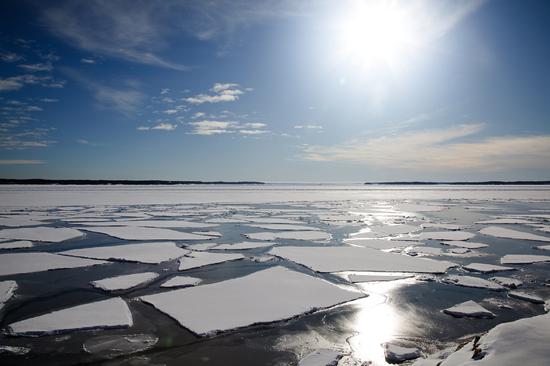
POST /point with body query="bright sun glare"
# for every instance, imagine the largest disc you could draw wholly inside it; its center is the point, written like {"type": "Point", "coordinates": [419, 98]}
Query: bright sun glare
{"type": "Point", "coordinates": [376, 33]}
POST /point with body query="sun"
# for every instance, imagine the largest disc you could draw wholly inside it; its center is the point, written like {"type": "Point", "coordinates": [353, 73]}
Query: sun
{"type": "Point", "coordinates": [374, 34]}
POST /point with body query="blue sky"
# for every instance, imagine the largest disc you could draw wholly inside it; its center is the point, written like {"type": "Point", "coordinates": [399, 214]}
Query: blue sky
{"type": "Point", "coordinates": [283, 91]}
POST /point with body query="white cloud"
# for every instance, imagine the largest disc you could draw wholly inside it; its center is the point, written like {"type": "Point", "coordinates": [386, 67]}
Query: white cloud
{"type": "Point", "coordinates": [216, 127]}
{"type": "Point", "coordinates": [37, 67]}
{"type": "Point", "coordinates": [10, 57]}
{"type": "Point", "coordinates": [49, 100]}
{"type": "Point", "coordinates": [228, 92]}
{"type": "Point", "coordinates": [170, 111]}
{"type": "Point", "coordinates": [21, 162]}
{"type": "Point", "coordinates": [309, 127]}
{"type": "Point", "coordinates": [89, 61]}
{"type": "Point", "coordinates": [163, 126]}
{"type": "Point", "coordinates": [439, 150]}
{"type": "Point", "coordinates": [17, 82]}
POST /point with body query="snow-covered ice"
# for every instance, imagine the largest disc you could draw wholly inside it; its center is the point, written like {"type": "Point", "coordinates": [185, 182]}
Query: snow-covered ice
{"type": "Point", "coordinates": [486, 268]}
{"type": "Point", "coordinates": [384, 230]}
{"type": "Point", "coordinates": [501, 232]}
{"type": "Point", "coordinates": [441, 226]}
{"type": "Point", "coordinates": [200, 259]}
{"type": "Point", "coordinates": [507, 281]}
{"type": "Point", "coordinates": [355, 278]}
{"type": "Point", "coordinates": [7, 290]}
{"type": "Point", "coordinates": [16, 244]}
{"type": "Point", "coordinates": [469, 309]}
{"type": "Point", "coordinates": [16, 263]}
{"type": "Point", "coordinates": [179, 224]}
{"type": "Point", "coordinates": [266, 296]}
{"type": "Point", "coordinates": [380, 244]}
{"type": "Point", "coordinates": [41, 233]}
{"type": "Point", "coordinates": [445, 235]}
{"type": "Point", "coordinates": [464, 244]}
{"type": "Point", "coordinates": [153, 253]}
{"type": "Point", "coordinates": [181, 281]}
{"type": "Point", "coordinates": [507, 221]}
{"type": "Point", "coordinates": [474, 282]}
{"type": "Point", "coordinates": [521, 295]}
{"type": "Point", "coordinates": [144, 233]}
{"type": "Point", "coordinates": [398, 354]}
{"type": "Point", "coordinates": [245, 245]}
{"type": "Point", "coordinates": [524, 259]}
{"type": "Point", "coordinates": [321, 357]}
{"type": "Point", "coordinates": [295, 235]}
{"type": "Point", "coordinates": [111, 313]}
{"type": "Point", "coordinates": [125, 282]}
{"type": "Point", "coordinates": [348, 258]}
{"type": "Point", "coordinates": [283, 227]}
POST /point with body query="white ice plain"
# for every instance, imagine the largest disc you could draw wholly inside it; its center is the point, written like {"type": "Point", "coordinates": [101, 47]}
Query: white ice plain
{"type": "Point", "coordinates": [469, 309]}
{"type": "Point", "coordinates": [125, 282]}
{"type": "Point", "coordinates": [144, 233]}
{"type": "Point", "coordinates": [501, 232]}
{"type": "Point", "coordinates": [445, 235]}
{"type": "Point", "coordinates": [111, 313]}
{"type": "Point", "coordinates": [486, 268]}
{"type": "Point", "coordinates": [200, 259]}
{"type": "Point", "coordinates": [524, 259]}
{"type": "Point", "coordinates": [271, 295]}
{"type": "Point", "coordinates": [153, 253]}
{"type": "Point", "coordinates": [16, 244]}
{"type": "Point", "coordinates": [348, 258]}
{"type": "Point", "coordinates": [17, 263]}
{"type": "Point", "coordinates": [520, 295]}
{"type": "Point", "coordinates": [380, 244]}
{"type": "Point", "coordinates": [41, 233]}
{"type": "Point", "coordinates": [181, 281]}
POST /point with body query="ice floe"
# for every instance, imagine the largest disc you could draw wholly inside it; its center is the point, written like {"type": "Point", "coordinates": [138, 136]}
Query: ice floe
{"type": "Point", "coordinates": [445, 235]}
{"type": "Point", "coordinates": [505, 221]}
{"type": "Point", "coordinates": [14, 350]}
{"type": "Point", "coordinates": [486, 268]}
{"type": "Point", "coordinates": [144, 233]}
{"type": "Point", "coordinates": [380, 244]}
{"type": "Point", "coordinates": [7, 290]}
{"type": "Point", "coordinates": [348, 258]}
{"type": "Point", "coordinates": [245, 245]}
{"type": "Point", "coordinates": [464, 244]}
{"type": "Point", "coordinates": [41, 233]}
{"type": "Point", "coordinates": [273, 294]}
{"type": "Point", "coordinates": [507, 281]}
{"type": "Point", "coordinates": [520, 295]}
{"type": "Point", "coordinates": [384, 230]}
{"type": "Point", "coordinates": [17, 263]}
{"type": "Point", "coordinates": [355, 278]}
{"type": "Point", "coordinates": [200, 259]}
{"type": "Point", "coordinates": [417, 207]}
{"type": "Point", "coordinates": [110, 346]}
{"type": "Point", "coordinates": [111, 313]}
{"type": "Point", "coordinates": [469, 309]}
{"type": "Point", "coordinates": [293, 235]}
{"type": "Point", "coordinates": [321, 357]}
{"type": "Point", "coordinates": [524, 259]}
{"type": "Point", "coordinates": [153, 253]}
{"type": "Point", "coordinates": [397, 354]}
{"type": "Point", "coordinates": [179, 224]}
{"type": "Point", "coordinates": [543, 247]}
{"type": "Point", "coordinates": [427, 225]}
{"type": "Point", "coordinates": [283, 227]}
{"type": "Point", "coordinates": [16, 244]}
{"type": "Point", "coordinates": [181, 281]}
{"type": "Point", "coordinates": [125, 282]}
{"type": "Point", "coordinates": [501, 232]}
{"type": "Point", "coordinates": [474, 282]}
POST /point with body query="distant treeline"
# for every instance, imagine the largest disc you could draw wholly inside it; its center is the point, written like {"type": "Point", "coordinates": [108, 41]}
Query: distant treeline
{"type": "Point", "coordinates": [490, 182]}
{"type": "Point", "coordinates": [113, 182]}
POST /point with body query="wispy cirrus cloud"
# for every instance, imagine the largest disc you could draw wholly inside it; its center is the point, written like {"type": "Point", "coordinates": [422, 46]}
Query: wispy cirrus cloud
{"type": "Point", "coordinates": [163, 126]}
{"type": "Point", "coordinates": [440, 150]}
{"type": "Point", "coordinates": [38, 67]}
{"type": "Point", "coordinates": [21, 162]}
{"type": "Point", "coordinates": [17, 82]}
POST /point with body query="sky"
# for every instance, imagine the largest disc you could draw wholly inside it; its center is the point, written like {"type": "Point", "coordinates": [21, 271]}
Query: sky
{"type": "Point", "coordinates": [275, 91]}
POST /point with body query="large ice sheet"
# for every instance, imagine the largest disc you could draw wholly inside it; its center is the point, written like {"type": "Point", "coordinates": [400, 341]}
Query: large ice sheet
{"type": "Point", "coordinates": [16, 244]}
{"type": "Point", "coordinates": [348, 258]}
{"type": "Point", "coordinates": [486, 268]}
{"type": "Point", "coordinates": [245, 245]}
{"type": "Point", "coordinates": [111, 313]}
{"type": "Point", "coordinates": [501, 232]}
{"type": "Point", "coordinates": [144, 252]}
{"type": "Point", "coordinates": [200, 259]}
{"type": "Point", "coordinates": [284, 227]}
{"type": "Point", "coordinates": [474, 282]}
{"type": "Point", "coordinates": [524, 259]}
{"type": "Point", "coordinates": [125, 282]}
{"type": "Point", "coordinates": [144, 233]}
{"type": "Point", "coordinates": [16, 263]}
{"type": "Point", "coordinates": [380, 244]}
{"type": "Point", "coordinates": [464, 244]}
{"type": "Point", "coordinates": [296, 235]}
{"type": "Point", "coordinates": [41, 233]}
{"type": "Point", "coordinates": [266, 296]}
{"type": "Point", "coordinates": [181, 281]}
{"type": "Point", "coordinates": [181, 224]}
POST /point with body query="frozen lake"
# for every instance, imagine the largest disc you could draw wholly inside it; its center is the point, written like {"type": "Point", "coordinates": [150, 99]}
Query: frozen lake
{"type": "Point", "coordinates": [274, 274]}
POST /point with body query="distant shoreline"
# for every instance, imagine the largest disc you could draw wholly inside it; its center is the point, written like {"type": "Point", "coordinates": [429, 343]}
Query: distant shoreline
{"type": "Point", "coordinates": [117, 182]}
{"type": "Point", "coordinates": [491, 182]}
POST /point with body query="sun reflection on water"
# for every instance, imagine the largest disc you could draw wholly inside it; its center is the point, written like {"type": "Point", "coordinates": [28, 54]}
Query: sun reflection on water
{"type": "Point", "coordinates": [377, 322]}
